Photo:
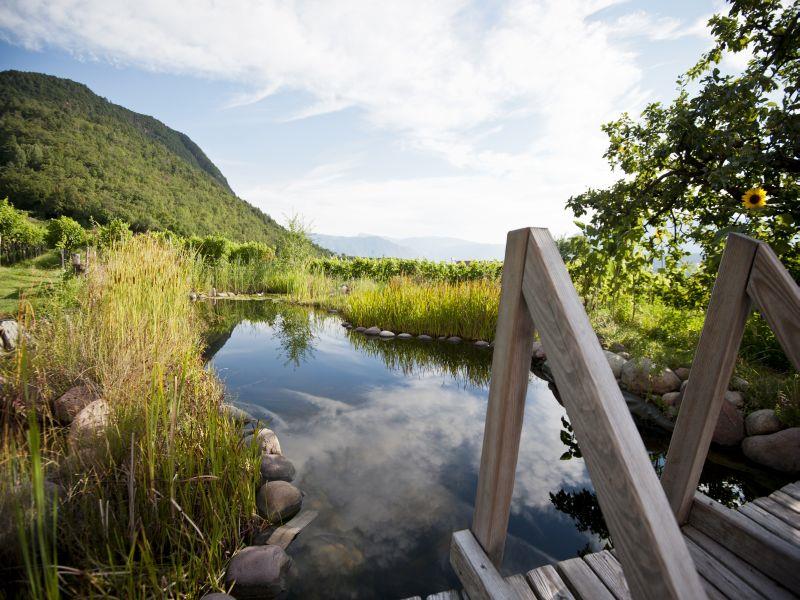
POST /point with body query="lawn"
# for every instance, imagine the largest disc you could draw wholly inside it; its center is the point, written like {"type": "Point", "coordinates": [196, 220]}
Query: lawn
{"type": "Point", "coordinates": [27, 278]}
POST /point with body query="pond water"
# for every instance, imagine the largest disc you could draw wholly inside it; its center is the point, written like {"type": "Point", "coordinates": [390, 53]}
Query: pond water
{"type": "Point", "coordinates": [386, 438]}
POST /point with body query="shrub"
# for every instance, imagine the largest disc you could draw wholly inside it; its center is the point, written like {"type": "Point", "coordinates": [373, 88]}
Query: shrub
{"type": "Point", "coordinates": [251, 252]}
{"type": "Point", "coordinates": [65, 234]}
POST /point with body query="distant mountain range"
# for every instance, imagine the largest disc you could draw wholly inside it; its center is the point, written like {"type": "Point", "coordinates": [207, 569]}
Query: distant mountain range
{"type": "Point", "coordinates": [432, 248]}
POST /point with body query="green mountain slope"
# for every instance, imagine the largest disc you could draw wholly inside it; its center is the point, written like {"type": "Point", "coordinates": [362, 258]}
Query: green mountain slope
{"type": "Point", "coordinates": [65, 150]}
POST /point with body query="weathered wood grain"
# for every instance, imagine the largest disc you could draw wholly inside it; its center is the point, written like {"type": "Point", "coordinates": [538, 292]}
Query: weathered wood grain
{"type": "Point", "coordinates": [547, 584]}
{"type": "Point", "coordinates": [521, 588]}
{"type": "Point", "coordinates": [609, 571]}
{"type": "Point", "coordinates": [629, 493]}
{"type": "Point", "coordinates": [757, 579]}
{"type": "Point", "coordinates": [778, 299]}
{"type": "Point", "coordinates": [780, 510]}
{"type": "Point", "coordinates": [772, 555]}
{"type": "Point", "coordinates": [711, 372]}
{"type": "Point", "coordinates": [476, 572]}
{"type": "Point", "coordinates": [448, 595]}
{"type": "Point", "coordinates": [511, 362]}
{"type": "Point", "coordinates": [725, 580]}
{"type": "Point", "coordinates": [792, 489]}
{"type": "Point", "coordinates": [770, 522]}
{"type": "Point", "coordinates": [284, 534]}
{"type": "Point", "coordinates": [583, 582]}
{"type": "Point", "coordinates": [788, 501]}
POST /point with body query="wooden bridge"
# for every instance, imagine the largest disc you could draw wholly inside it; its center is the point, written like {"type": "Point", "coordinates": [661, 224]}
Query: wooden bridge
{"type": "Point", "coordinates": [669, 540]}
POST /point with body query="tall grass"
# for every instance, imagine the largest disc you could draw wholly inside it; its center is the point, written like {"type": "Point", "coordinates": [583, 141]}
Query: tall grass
{"type": "Point", "coordinates": [159, 508]}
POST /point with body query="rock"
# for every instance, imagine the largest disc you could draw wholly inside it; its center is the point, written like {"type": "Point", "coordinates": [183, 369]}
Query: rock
{"type": "Point", "coordinates": [616, 348]}
{"type": "Point", "coordinates": [258, 572]}
{"type": "Point", "coordinates": [361, 329]}
{"type": "Point", "coordinates": [537, 350]}
{"type": "Point", "coordinates": [672, 399]}
{"type": "Point", "coordinates": [682, 373]}
{"type": "Point", "coordinates": [372, 331]}
{"type": "Point", "coordinates": [71, 402]}
{"type": "Point", "coordinates": [424, 338]}
{"type": "Point", "coordinates": [9, 334]}
{"type": "Point", "coordinates": [762, 422]}
{"type": "Point", "coordinates": [625, 355]}
{"type": "Point", "coordinates": [779, 451]}
{"type": "Point", "coordinates": [735, 398]}
{"type": "Point", "coordinates": [267, 441]}
{"type": "Point", "coordinates": [738, 384]}
{"type": "Point", "coordinates": [482, 344]}
{"type": "Point", "coordinates": [192, 296]}
{"type": "Point", "coordinates": [641, 376]}
{"type": "Point", "coordinates": [615, 361]}
{"type": "Point", "coordinates": [278, 501]}
{"type": "Point", "coordinates": [404, 336]}
{"type": "Point", "coordinates": [333, 311]}
{"type": "Point", "coordinates": [454, 339]}
{"type": "Point", "coordinates": [234, 413]}
{"type": "Point", "coordinates": [217, 596]}
{"type": "Point", "coordinates": [730, 426]}
{"type": "Point", "coordinates": [386, 334]}
{"type": "Point", "coordinates": [346, 324]}
{"type": "Point", "coordinates": [684, 383]}
{"type": "Point", "coordinates": [87, 433]}
{"type": "Point", "coordinates": [275, 467]}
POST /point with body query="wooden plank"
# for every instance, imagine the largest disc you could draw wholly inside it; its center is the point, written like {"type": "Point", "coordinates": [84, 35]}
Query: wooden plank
{"type": "Point", "coordinates": [770, 522]}
{"type": "Point", "coordinates": [521, 588]}
{"type": "Point", "coordinates": [792, 489]}
{"type": "Point", "coordinates": [712, 592]}
{"type": "Point", "coordinates": [778, 298]}
{"type": "Point", "coordinates": [511, 363]}
{"type": "Point", "coordinates": [788, 501]}
{"type": "Point", "coordinates": [547, 584]}
{"type": "Point", "coordinates": [284, 534]}
{"type": "Point", "coordinates": [712, 368]}
{"type": "Point", "coordinates": [788, 515]}
{"type": "Point", "coordinates": [629, 493]}
{"type": "Point", "coordinates": [773, 556]}
{"type": "Point", "coordinates": [609, 571]}
{"type": "Point", "coordinates": [583, 582]}
{"type": "Point", "coordinates": [756, 578]}
{"type": "Point", "coordinates": [448, 595]}
{"type": "Point", "coordinates": [725, 580]}
{"type": "Point", "coordinates": [475, 571]}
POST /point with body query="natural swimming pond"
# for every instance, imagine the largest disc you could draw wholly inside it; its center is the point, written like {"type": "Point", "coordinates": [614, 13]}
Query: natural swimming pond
{"type": "Point", "coordinates": [386, 438]}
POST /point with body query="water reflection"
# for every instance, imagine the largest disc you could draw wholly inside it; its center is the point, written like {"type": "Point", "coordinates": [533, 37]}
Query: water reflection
{"type": "Point", "coordinates": [386, 438]}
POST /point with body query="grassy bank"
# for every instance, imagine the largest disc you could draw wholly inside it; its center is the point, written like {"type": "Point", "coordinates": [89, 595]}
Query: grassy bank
{"type": "Point", "coordinates": [158, 506]}
{"type": "Point", "coordinates": [30, 277]}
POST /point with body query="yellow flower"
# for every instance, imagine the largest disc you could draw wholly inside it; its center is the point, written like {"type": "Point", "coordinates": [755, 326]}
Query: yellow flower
{"type": "Point", "coordinates": [754, 198]}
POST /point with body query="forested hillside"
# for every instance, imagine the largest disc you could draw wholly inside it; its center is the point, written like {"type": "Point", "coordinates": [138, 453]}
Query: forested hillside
{"type": "Point", "coordinates": [66, 151]}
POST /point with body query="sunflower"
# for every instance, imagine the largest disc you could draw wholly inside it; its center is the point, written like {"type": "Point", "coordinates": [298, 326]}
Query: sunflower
{"type": "Point", "coordinates": [754, 198]}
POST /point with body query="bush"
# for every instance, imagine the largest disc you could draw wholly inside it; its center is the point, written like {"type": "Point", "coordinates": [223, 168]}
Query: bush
{"type": "Point", "coordinates": [251, 252]}
{"type": "Point", "coordinates": [65, 234]}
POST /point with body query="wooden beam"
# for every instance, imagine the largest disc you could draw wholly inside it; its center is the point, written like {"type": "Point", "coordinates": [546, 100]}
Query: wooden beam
{"type": "Point", "coordinates": [650, 547]}
{"type": "Point", "coordinates": [744, 537]}
{"type": "Point", "coordinates": [778, 299]}
{"type": "Point", "coordinates": [548, 585]}
{"type": "Point", "coordinates": [476, 572]}
{"type": "Point", "coordinates": [511, 364]}
{"type": "Point", "coordinates": [710, 375]}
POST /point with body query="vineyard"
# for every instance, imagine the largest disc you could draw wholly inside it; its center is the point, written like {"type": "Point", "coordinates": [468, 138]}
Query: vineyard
{"type": "Point", "coordinates": [384, 269]}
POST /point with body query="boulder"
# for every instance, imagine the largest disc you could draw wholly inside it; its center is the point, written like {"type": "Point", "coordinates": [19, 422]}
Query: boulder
{"type": "Point", "coordinates": [682, 373]}
{"type": "Point", "coordinates": [346, 324]}
{"type": "Point", "coordinates": [738, 384]}
{"type": "Point", "coordinates": [404, 336]}
{"type": "Point", "coordinates": [9, 334]}
{"type": "Point", "coordinates": [616, 348]}
{"type": "Point", "coordinates": [684, 383]}
{"type": "Point", "coordinates": [67, 406]}
{"type": "Point", "coordinates": [234, 413]}
{"type": "Point", "coordinates": [386, 334]}
{"type": "Point", "coordinates": [625, 355]}
{"type": "Point", "coordinates": [615, 361]}
{"type": "Point", "coordinates": [672, 399]}
{"type": "Point", "coordinates": [258, 572]}
{"type": "Point", "coordinates": [641, 376]}
{"type": "Point", "coordinates": [424, 338]}
{"type": "Point", "coordinates": [217, 596]}
{"type": "Point", "coordinates": [779, 451]}
{"type": "Point", "coordinates": [267, 441]}
{"type": "Point", "coordinates": [278, 501]}
{"type": "Point", "coordinates": [735, 398]}
{"type": "Point", "coordinates": [482, 344]}
{"type": "Point", "coordinates": [87, 433]}
{"type": "Point", "coordinates": [762, 422]}
{"type": "Point", "coordinates": [275, 467]}
{"type": "Point", "coordinates": [360, 329]}
{"type": "Point", "coordinates": [372, 331]}
{"type": "Point", "coordinates": [730, 426]}
{"type": "Point", "coordinates": [454, 339]}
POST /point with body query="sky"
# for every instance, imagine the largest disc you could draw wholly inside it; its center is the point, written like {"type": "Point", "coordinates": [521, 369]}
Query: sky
{"type": "Point", "coordinates": [411, 118]}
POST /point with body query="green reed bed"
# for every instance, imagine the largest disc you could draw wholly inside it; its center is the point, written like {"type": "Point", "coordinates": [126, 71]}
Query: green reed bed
{"type": "Point", "coordinates": [157, 507]}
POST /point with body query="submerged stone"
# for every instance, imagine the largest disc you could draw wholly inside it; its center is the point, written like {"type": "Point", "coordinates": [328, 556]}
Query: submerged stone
{"type": "Point", "coordinates": [258, 572]}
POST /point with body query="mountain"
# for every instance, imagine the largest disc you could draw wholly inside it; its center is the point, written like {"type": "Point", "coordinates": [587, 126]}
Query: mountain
{"type": "Point", "coordinates": [432, 248]}
{"type": "Point", "coordinates": [64, 150]}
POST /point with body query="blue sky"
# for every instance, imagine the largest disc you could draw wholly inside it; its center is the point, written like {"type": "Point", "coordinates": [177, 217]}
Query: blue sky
{"type": "Point", "coordinates": [454, 118]}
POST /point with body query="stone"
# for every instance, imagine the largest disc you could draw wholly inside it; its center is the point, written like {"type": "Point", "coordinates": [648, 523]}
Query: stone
{"type": "Point", "coordinates": [682, 373]}
{"type": "Point", "coordinates": [275, 467]}
{"type": "Point", "coordinates": [442, 338]}
{"type": "Point", "coordinates": [615, 361]}
{"type": "Point", "coordinates": [87, 433]}
{"type": "Point", "coordinates": [217, 596]}
{"type": "Point", "coordinates": [192, 296]}
{"type": "Point", "coordinates": [683, 386]}
{"type": "Point", "coordinates": [738, 384]}
{"type": "Point", "coordinates": [258, 572]}
{"type": "Point", "coordinates": [386, 334]}
{"type": "Point", "coordinates": [70, 403]}
{"type": "Point", "coordinates": [346, 324]}
{"type": "Point", "coordinates": [424, 338]}
{"type": "Point", "coordinates": [730, 426]}
{"type": "Point", "coordinates": [537, 351]}
{"type": "Point", "coordinates": [404, 336]}
{"type": "Point", "coordinates": [625, 355]}
{"type": "Point", "coordinates": [372, 331]}
{"type": "Point", "coordinates": [616, 348]}
{"type": "Point", "coordinates": [278, 501]}
{"type": "Point", "coordinates": [454, 339]}
{"type": "Point", "coordinates": [779, 451]}
{"type": "Point", "coordinates": [735, 398]}
{"type": "Point", "coordinates": [762, 422]}
{"type": "Point", "coordinates": [235, 413]}
{"type": "Point", "coordinates": [482, 344]}
{"type": "Point", "coordinates": [641, 376]}
{"type": "Point", "coordinates": [361, 329]}
{"type": "Point", "coordinates": [9, 334]}
{"type": "Point", "coordinates": [672, 399]}
{"type": "Point", "coordinates": [267, 441]}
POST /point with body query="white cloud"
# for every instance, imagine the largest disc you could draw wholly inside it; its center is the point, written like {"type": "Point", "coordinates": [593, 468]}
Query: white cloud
{"type": "Point", "coordinates": [436, 74]}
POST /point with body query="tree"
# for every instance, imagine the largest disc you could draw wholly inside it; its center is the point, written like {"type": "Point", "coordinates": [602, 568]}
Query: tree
{"type": "Point", "coordinates": [689, 167]}
{"type": "Point", "coordinates": [65, 234]}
